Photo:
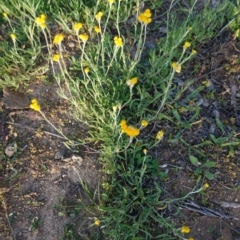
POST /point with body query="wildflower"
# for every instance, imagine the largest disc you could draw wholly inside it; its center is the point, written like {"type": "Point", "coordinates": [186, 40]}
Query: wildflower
{"type": "Point", "coordinates": [86, 70]}
{"type": "Point", "coordinates": [13, 36]}
{"type": "Point", "coordinates": [191, 238]}
{"type": "Point", "coordinates": [5, 15]}
{"type": "Point", "coordinates": [129, 130]}
{"type": "Point", "coordinates": [114, 108]}
{"type": "Point", "coordinates": [144, 123]}
{"type": "Point", "coordinates": [97, 29]}
{"type": "Point", "coordinates": [118, 41]}
{"type": "Point", "coordinates": [145, 151]}
{"type": "Point", "coordinates": [190, 29]}
{"type": "Point", "coordinates": [132, 82]}
{"type": "Point", "coordinates": [41, 21]}
{"type": "Point", "coordinates": [56, 57]}
{"type": "Point", "coordinates": [35, 105]}
{"type": "Point", "coordinates": [111, 1]}
{"type": "Point", "coordinates": [145, 17]}
{"type": "Point", "coordinates": [58, 38]}
{"type": "Point", "coordinates": [84, 37]}
{"type": "Point", "coordinates": [205, 186]}
{"type": "Point", "coordinates": [194, 51]}
{"type": "Point", "coordinates": [77, 26]}
{"type": "Point", "coordinates": [160, 135]}
{"type": "Point", "coordinates": [132, 131]}
{"type": "Point", "coordinates": [177, 67]}
{"type": "Point", "coordinates": [98, 16]}
{"type": "Point", "coordinates": [186, 45]}
{"type": "Point", "coordinates": [185, 229]}
{"type": "Point", "coordinates": [123, 125]}
{"type": "Point", "coordinates": [97, 222]}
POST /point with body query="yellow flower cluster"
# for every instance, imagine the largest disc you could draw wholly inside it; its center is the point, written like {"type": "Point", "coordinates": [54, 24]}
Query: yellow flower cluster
{"type": "Point", "coordinates": [185, 229]}
{"type": "Point", "coordinates": [41, 21]}
{"type": "Point", "coordinates": [58, 38]}
{"type": "Point", "coordinates": [35, 105]}
{"type": "Point", "coordinates": [160, 135]}
{"type": "Point", "coordinates": [144, 123]}
{"type": "Point", "coordinates": [98, 16]}
{"type": "Point", "coordinates": [84, 37]}
{"type": "Point", "coordinates": [77, 26]}
{"type": "Point", "coordinates": [177, 67]}
{"type": "Point", "coordinates": [132, 82]}
{"type": "Point", "coordinates": [97, 29]}
{"type": "Point", "coordinates": [145, 17]}
{"type": "Point", "coordinates": [56, 57]}
{"type": "Point", "coordinates": [13, 36]}
{"type": "Point", "coordinates": [186, 45]}
{"type": "Point", "coordinates": [118, 41]}
{"type": "Point", "coordinates": [129, 130]}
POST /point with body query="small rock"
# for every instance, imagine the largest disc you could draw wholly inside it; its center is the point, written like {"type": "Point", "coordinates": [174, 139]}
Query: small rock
{"type": "Point", "coordinates": [10, 149]}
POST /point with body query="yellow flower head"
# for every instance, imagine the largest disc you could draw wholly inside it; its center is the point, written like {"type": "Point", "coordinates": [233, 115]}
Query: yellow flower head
{"type": "Point", "coordinates": [111, 1]}
{"type": "Point", "coordinates": [84, 37]}
{"type": "Point", "coordinates": [145, 151]}
{"type": "Point", "coordinates": [132, 82]}
{"type": "Point", "coordinates": [123, 125]}
{"type": "Point", "coordinates": [35, 105]}
{"type": "Point", "coordinates": [132, 131]}
{"type": "Point", "coordinates": [205, 186]}
{"type": "Point", "coordinates": [5, 15]}
{"type": "Point", "coordinates": [56, 57]}
{"type": "Point", "coordinates": [145, 17]}
{"type": "Point", "coordinates": [177, 67]}
{"type": "Point", "coordinates": [118, 41]}
{"type": "Point", "coordinates": [191, 238]}
{"type": "Point", "coordinates": [86, 70]}
{"type": "Point", "coordinates": [13, 36]}
{"type": "Point", "coordinates": [58, 38]}
{"type": "Point", "coordinates": [160, 135]}
{"type": "Point", "coordinates": [186, 45]}
{"type": "Point", "coordinates": [98, 16]}
{"type": "Point", "coordinates": [77, 26]}
{"type": "Point", "coordinates": [41, 21]}
{"type": "Point", "coordinates": [97, 222]}
{"type": "Point", "coordinates": [194, 51]}
{"type": "Point", "coordinates": [144, 123]}
{"type": "Point", "coordinates": [185, 229]}
{"type": "Point", "coordinates": [97, 29]}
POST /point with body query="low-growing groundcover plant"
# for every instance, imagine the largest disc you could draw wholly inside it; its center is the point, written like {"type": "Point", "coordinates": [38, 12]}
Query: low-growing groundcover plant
{"type": "Point", "coordinates": [117, 85]}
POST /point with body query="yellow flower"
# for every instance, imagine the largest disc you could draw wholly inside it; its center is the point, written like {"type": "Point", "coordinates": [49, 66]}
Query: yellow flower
{"type": "Point", "coordinates": [35, 105]}
{"type": "Point", "coordinates": [144, 123]}
{"type": "Point", "coordinates": [97, 29]}
{"type": "Point", "coordinates": [77, 26]}
{"type": "Point", "coordinates": [98, 16]}
{"type": "Point", "coordinates": [118, 41]}
{"type": "Point", "coordinates": [177, 67]}
{"type": "Point", "coordinates": [13, 36]}
{"type": "Point", "coordinates": [123, 125]}
{"type": "Point", "coordinates": [111, 1]}
{"type": "Point", "coordinates": [147, 13]}
{"type": "Point", "coordinates": [205, 186]}
{"type": "Point", "coordinates": [97, 222]}
{"type": "Point", "coordinates": [185, 229]}
{"type": "Point", "coordinates": [132, 82]}
{"type": "Point", "coordinates": [191, 238]}
{"type": "Point", "coordinates": [41, 21]}
{"type": "Point", "coordinates": [84, 37]}
{"type": "Point", "coordinates": [145, 151]}
{"type": "Point", "coordinates": [56, 57]}
{"type": "Point", "coordinates": [186, 45]}
{"type": "Point", "coordinates": [58, 38]}
{"type": "Point", "coordinates": [5, 15]}
{"type": "Point", "coordinates": [132, 131]}
{"type": "Point", "coordinates": [194, 51]}
{"type": "Point", "coordinates": [145, 17]}
{"type": "Point", "coordinates": [160, 135]}
{"type": "Point", "coordinates": [86, 70]}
